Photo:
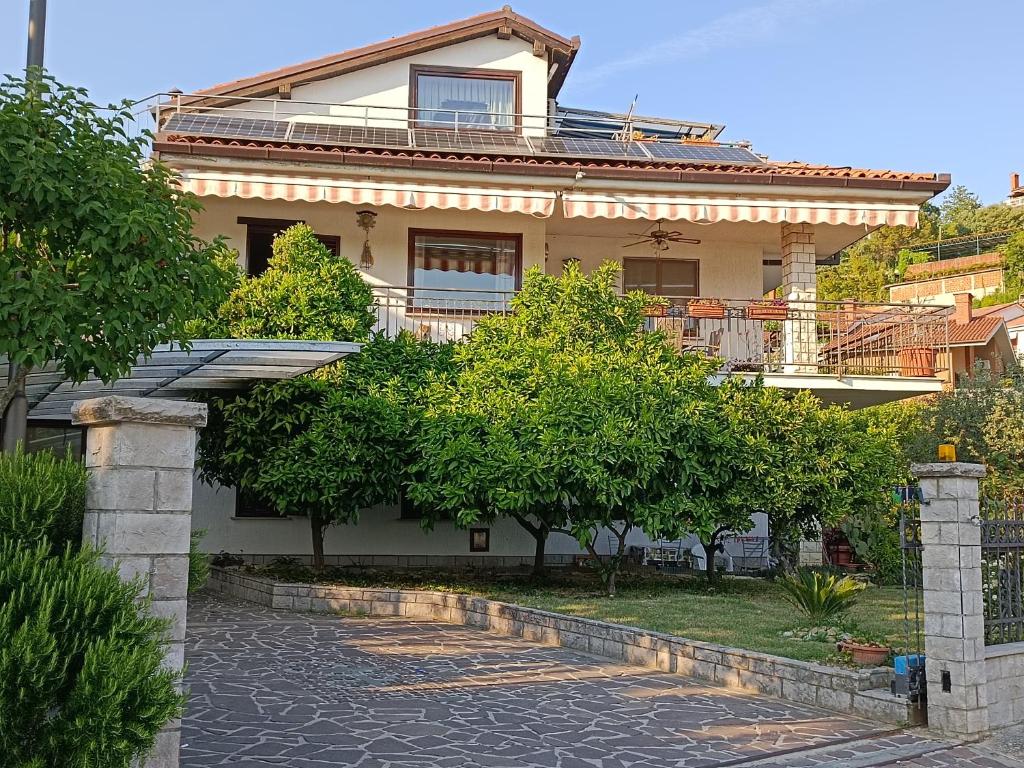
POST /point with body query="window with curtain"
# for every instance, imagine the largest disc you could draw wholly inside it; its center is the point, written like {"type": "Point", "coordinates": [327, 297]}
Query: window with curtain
{"type": "Point", "coordinates": [661, 277]}
{"type": "Point", "coordinates": [465, 101]}
{"type": "Point", "coordinates": [463, 270]}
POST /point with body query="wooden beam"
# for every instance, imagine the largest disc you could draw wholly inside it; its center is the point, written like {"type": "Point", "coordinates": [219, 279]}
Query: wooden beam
{"type": "Point", "coordinates": [284, 90]}
{"type": "Point", "coordinates": [504, 32]}
{"type": "Point", "coordinates": [539, 49]}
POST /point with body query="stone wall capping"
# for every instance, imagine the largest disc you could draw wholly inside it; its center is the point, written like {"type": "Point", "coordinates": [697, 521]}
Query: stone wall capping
{"type": "Point", "coordinates": [809, 683]}
{"type": "Point", "coordinates": [115, 409]}
{"type": "Point", "coordinates": [948, 469]}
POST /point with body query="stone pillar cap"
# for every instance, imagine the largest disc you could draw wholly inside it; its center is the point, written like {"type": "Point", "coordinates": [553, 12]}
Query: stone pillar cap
{"type": "Point", "coordinates": [948, 469]}
{"type": "Point", "coordinates": [115, 409]}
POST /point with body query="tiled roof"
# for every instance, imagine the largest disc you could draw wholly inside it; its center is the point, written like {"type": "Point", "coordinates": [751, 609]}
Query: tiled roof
{"type": "Point", "coordinates": [503, 22]}
{"type": "Point", "coordinates": [770, 172]}
{"type": "Point", "coordinates": [978, 331]}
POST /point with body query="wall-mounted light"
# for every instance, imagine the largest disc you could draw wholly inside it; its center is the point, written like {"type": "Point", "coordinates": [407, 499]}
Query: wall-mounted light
{"type": "Point", "coordinates": [366, 220]}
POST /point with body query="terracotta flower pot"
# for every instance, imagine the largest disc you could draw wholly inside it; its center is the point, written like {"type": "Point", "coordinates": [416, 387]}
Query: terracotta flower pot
{"type": "Point", "coordinates": [917, 361]}
{"type": "Point", "coordinates": [713, 311]}
{"type": "Point", "coordinates": [868, 655]}
{"type": "Point", "coordinates": [655, 310]}
{"type": "Point", "coordinates": [767, 312]}
{"type": "Point", "coordinates": [844, 555]}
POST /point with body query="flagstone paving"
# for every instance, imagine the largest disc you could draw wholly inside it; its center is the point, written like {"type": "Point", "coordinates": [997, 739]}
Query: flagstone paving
{"type": "Point", "coordinates": [276, 688]}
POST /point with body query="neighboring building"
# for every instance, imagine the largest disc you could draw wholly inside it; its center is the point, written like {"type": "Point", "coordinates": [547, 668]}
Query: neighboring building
{"type": "Point", "coordinates": [938, 282]}
{"type": "Point", "coordinates": [442, 163]}
{"type": "Point", "coordinates": [976, 339]}
{"type": "Point", "coordinates": [1016, 197]}
{"type": "Point", "coordinates": [1012, 314]}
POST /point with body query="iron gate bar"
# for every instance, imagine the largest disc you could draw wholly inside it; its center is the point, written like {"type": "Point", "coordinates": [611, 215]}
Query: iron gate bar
{"type": "Point", "coordinates": [1002, 570]}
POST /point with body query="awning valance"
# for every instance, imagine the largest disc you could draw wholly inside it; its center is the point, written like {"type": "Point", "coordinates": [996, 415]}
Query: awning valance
{"type": "Point", "coordinates": [415, 196]}
{"type": "Point", "coordinates": [711, 210]}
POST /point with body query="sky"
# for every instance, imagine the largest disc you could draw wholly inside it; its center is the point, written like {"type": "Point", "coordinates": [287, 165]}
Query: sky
{"type": "Point", "coordinates": [916, 85]}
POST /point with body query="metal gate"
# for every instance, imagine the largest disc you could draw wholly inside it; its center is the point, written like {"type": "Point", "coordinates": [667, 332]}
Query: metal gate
{"type": "Point", "coordinates": [1002, 570]}
{"type": "Point", "coordinates": [910, 679]}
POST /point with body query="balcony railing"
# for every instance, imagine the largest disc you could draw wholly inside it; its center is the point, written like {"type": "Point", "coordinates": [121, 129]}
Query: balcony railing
{"type": "Point", "coordinates": [833, 338]}
{"type": "Point", "coordinates": [382, 125]}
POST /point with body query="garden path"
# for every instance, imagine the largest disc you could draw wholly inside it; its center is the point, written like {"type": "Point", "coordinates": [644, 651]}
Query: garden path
{"type": "Point", "coordinates": [275, 688]}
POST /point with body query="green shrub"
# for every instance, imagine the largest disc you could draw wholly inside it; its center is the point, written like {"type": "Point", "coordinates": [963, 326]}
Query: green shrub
{"type": "Point", "coordinates": [198, 563]}
{"type": "Point", "coordinates": [81, 681]}
{"type": "Point", "coordinates": [822, 599]}
{"type": "Point", "coordinates": [41, 496]}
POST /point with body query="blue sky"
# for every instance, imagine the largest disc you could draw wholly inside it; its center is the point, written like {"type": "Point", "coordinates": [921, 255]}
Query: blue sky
{"type": "Point", "coordinates": [924, 85]}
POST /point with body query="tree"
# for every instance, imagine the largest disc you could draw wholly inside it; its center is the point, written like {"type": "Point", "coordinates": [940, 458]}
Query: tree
{"type": "Point", "coordinates": [959, 208]}
{"type": "Point", "coordinates": [329, 444]}
{"type": "Point", "coordinates": [563, 416]}
{"type": "Point", "coordinates": [98, 263]}
{"type": "Point", "coordinates": [858, 276]}
{"type": "Point", "coordinates": [326, 445]}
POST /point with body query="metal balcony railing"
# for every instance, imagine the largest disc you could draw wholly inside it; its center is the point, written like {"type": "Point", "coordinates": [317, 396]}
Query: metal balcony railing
{"type": "Point", "coordinates": [816, 337]}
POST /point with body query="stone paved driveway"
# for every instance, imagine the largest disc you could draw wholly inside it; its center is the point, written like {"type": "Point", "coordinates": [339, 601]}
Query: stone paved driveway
{"type": "Point", "coordinates": [274, 688]}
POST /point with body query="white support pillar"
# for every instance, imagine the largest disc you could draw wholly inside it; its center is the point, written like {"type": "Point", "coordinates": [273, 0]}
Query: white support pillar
{"type": "Point", "coordinates": [800, 289]}
{"type": "Point", "coordinates": [140, 456]}
{"type": "Point", "coordinates": [954, 618]}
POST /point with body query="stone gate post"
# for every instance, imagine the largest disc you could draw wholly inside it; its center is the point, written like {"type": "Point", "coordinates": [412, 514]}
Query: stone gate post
{"type": "Point", "coordinates": [954, 619]}
{"type": "Point", "coordinates": [140, 456]}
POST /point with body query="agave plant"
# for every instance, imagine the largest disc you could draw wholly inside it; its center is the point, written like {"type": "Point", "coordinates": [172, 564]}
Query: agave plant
{"type": "Point", "coordinates": [823, 599]}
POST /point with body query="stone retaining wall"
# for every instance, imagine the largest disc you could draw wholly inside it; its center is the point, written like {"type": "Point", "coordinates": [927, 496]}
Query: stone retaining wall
{"type": "Point", "coordinates": [862, 692]}
{"type": "Point", "coordinates": [1004, 665]}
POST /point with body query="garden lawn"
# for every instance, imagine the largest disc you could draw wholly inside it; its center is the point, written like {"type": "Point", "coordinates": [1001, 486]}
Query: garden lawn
{"type": "Point", "coordinates": [739, 612]}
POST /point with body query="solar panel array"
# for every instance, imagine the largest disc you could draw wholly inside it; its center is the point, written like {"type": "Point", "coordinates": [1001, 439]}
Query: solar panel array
{"type": "Point", "coordinates": [228, 127]}
{"type": "Point", "coordinates": [460, 141]}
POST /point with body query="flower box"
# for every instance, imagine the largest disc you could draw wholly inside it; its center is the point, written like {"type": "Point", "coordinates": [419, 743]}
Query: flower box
{"type": "Point", "coordinates": [707, 308]}
{"type": "Point", "coordinates": [655, 310]}
{"type": "Point", "coordinates": [917, 362]}
{"type": "Point", "coordinates": [767, 311]}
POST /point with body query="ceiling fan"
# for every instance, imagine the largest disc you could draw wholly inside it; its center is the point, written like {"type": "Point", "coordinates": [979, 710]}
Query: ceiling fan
{"type": "Point", "coordinates": [660, 237]}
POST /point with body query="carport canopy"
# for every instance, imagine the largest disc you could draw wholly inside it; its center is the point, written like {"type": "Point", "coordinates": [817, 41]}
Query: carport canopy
{"type": "Point", "coordinates": [172, 372]}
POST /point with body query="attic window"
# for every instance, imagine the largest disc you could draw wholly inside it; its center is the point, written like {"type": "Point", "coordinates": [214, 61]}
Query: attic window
{"type": "Point", "coordinates": [465, 99]}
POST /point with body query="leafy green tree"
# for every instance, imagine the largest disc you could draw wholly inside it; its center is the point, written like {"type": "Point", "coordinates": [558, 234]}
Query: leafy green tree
{"type": "Point", "coordinates": [858, 276]}
{"type": "Point", "coordinates": [564, 415]}
{"type": "Point", "coordinates": [959, 208]}
{"type": "Point", "coordinates": [329, 444]}
{"type": "Point", "coordinates": [305, 293]}
{"type": "Point", "coordinates": [98, 263]}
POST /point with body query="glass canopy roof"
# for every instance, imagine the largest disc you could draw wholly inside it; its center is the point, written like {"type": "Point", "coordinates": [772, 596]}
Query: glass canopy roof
{"type": "Point", "coordinates": [171, 372]}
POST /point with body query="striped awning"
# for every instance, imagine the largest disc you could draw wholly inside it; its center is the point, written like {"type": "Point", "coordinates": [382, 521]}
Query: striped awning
{"type": "Point", "coordinates": [711, 210]}
{"type": "Point", "coordinates": [537, 203]}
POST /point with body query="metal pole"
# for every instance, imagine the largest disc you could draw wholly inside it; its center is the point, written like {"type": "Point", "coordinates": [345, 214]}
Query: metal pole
{"type": "Point", "coordinates": [15, 421]}
{"type": "Point", "coordinates": [36, 32]}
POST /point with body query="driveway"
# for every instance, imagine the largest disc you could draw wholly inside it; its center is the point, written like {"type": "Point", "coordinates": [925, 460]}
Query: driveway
{"type": "Point", "coordinates": [276, 688]}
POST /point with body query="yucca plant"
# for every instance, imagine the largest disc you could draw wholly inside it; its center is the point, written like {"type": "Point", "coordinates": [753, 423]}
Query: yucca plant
{"type": "Point", "coordinates": [822, 599]}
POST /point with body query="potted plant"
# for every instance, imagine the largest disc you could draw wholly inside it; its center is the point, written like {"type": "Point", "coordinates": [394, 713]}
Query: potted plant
{"type": "Point", "coordinates": [865, 650]}
{"type": "Point", "coordinates": [655, 310]}
{"type": "Point", "coordinates": [706, 307]}
{"type": "Point", "coordinates": [917, 361]}
{"type": "Point", "coordinates": [767, 309]}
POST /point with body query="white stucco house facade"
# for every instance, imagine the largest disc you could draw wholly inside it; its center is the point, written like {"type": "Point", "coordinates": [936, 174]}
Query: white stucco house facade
{"type": "Point", "coordinates": [454, 139]}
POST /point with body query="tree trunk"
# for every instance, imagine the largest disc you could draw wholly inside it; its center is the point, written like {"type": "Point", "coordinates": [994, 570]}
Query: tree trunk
{"type": "Point", "coordinates": [7, 394]}
{"type": "Point", "coordinates": [709, 555]}
{"type": "Point", "coordinates": [540, 536]}
{"type": "Point", "coordinates": [317, 527]}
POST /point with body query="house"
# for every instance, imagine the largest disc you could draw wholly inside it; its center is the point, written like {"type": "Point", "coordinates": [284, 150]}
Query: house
{"type": "Point", "coordinates": [1016, 197]}
{"type": "Point", "coordinates": [1012, 314]}
{"type": "Point", "coordinates": [937, 282]}
{"type": "Point", "coordinates": [976, 339]}
{"type": "Point", "coordinates": [443, 164]}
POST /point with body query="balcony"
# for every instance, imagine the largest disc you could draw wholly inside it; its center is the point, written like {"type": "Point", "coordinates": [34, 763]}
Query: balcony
{"type": "Point", "coordinates": [894, 345]}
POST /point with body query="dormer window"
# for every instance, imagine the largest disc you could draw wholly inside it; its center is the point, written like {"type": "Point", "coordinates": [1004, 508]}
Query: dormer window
{"type": "Point", "coordinates": [465, 99]}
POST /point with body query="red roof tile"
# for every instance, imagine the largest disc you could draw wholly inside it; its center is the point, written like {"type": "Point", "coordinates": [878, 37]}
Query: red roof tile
{"type": "Point", "coordinates": [978, 331]}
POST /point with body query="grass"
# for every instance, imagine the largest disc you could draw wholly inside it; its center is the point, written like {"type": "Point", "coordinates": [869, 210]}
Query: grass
{"type": "Point", "coordinates": [743, 613]}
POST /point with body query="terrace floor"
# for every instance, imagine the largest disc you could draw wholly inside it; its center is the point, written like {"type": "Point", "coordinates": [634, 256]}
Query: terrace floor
{"type": "Point", "coordinates": [308, 691]}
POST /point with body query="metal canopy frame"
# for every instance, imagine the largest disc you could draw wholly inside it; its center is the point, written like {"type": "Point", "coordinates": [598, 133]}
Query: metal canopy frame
{"type": "Point", "coordinates": [172, 372]}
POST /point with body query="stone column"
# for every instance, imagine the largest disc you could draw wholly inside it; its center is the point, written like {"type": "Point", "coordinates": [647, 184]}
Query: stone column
{"type": "Point", "coordinates": [140, 456]}
{"type": "Point", "coordinates": [800, 289]}
{"type": "Point", "coordinates": [954, 620]}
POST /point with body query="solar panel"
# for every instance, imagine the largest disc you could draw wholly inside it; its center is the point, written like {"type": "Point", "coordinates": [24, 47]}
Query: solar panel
{"type": "Point", "coordinates": [326, 133]}
{"type": "Point", "coordinates": [479, 141]}
{"type": "Point", "coordinates": [701, 153]}
{"type": "Point", "coordinates": [580, 147]}
{"type": "Point", "coordinates": [219, 125]}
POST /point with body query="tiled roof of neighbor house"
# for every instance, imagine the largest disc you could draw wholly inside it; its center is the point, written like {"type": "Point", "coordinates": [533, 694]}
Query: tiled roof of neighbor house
{"type": "Point", "coordinates": [950, 266]}
{"type": "Point", "coordinates": [495, 162]}
{"type": "Point", "coordinates": [503, 22]}
{"type": "Point", "coordinates": [978, 331]}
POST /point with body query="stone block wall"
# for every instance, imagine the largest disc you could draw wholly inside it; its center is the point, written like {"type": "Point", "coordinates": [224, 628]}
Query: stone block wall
{"type": "Point", "coordinates": [1004, 666]}
{"type": "Point", "coordinates": [863, 692]}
